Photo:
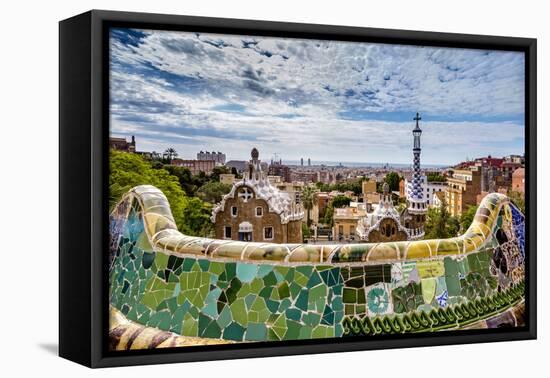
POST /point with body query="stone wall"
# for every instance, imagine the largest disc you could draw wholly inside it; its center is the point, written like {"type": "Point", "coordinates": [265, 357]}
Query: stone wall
{"type": "Point", "coordinates": [246, 211]}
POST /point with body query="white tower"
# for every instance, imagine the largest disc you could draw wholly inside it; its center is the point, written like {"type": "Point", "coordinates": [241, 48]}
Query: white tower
{"type": "Point", "coordinates": [415, 192]}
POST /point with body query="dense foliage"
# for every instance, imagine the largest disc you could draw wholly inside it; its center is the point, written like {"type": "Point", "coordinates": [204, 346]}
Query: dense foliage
{"type": "Point", "coordinates": [467, 217]}
{"type": "Point", "coordinates": [517, 199]}
{"type": "Point", "coordinates": [435, 177]}
{"type": "Point", "coordinates": [307, 197]}
{"type": "Point", "coordinates": [393, 179]}
{"type": "Point", "coordinates": [213, 191]}
{"type": "Point", "coordinates": [340, 201]}
{"type": "Point", "coordinates": [337, 202]}
{"type": "Point", "coordinates": [191, 214]}
{"type": "Point", "coordinates": [129, 170]}
{"type": "Point", "coordinates": [440, 224]}
{"type": "Point", "coordinates": [355, 186]}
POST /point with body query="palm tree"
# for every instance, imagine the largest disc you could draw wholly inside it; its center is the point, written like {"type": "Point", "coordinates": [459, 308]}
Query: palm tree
{"type": "Point", "coordinates": [155, 155]}
{"type": "Point", "coordinates": [308, 195]}
{"type": "Point", "coordinates": [170, 154]}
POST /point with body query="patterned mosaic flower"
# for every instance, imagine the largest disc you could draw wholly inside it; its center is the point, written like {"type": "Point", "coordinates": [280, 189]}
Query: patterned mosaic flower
{"type": "Point", "coordinates": [377, 300]}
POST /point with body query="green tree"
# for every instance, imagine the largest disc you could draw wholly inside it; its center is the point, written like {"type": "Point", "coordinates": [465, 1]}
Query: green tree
{"type": "Point", "coordinates": [213, 191]}
{"type": "Point", "coordinates": [393, 179]}
{"type": "Point", "coordinates": [435, 177]}
{"type": "Point", "coordinates": [236, 173]}
{"type": "Point", "coordinates": [467, 217]}
{"type": "Point", "coordinates": [306, 232]}
{"type": "Point", "coordinates": [517, 199]}
{"type": "Point", "coordinates": [170, 154]}
{"type": "Point", "coordinates": [440, 224]}
{"type": "Point", "coordinates": [308, 196]}
{"type": "Point", "coordinates": [340, 201]}
{"type": "Point", "coordinates": [328, 219]}
{"type": "Point", "coordinates": [128, 170]}
{"type": "Point", "coordinates": [337, 202]}
{"type": "Point", "coordinates": [185, 178]}
{"type": "Point", "coordinates": [217, 171]}
{"type": "Point", "coordinates": [200, 179]}
{"type": "Point", "coordinates": [354, 186]}
{"type": "Point", "coordinates": [196, 214]}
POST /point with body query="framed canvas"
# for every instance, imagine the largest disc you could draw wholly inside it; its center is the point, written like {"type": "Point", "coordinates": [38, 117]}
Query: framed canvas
{"type": "Point", "coordinates": [234, 188]}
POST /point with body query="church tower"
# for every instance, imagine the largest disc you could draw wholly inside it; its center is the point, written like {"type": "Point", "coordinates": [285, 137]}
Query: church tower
{"type": "Point", "coordinates": [416, 203]}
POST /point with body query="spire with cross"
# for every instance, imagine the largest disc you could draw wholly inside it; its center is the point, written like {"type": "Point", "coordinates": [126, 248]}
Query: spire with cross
{"type": "Point", "coordinates": [416, 189]}
{"type": "Point", "coordinates": [417, 118]}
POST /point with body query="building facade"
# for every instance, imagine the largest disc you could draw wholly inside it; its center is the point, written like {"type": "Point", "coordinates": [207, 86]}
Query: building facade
{"type": "Point", "coordinates": [217, 157]}
{"type": "Point", "coordinates": [518, 180]}
{"type": "Point", "coordinates": [462, 189]}
{"type": "Point", "coordinates": [278, 169]}
{"type": "Point", "coordinates": [346, 221]}
{"type": "Point", "coordinates": [121, 144]}
{"type": "Point", "coordinates": [196, 166]}
{"type": "Point", "coordinates": [255, 210]}
{"type": "Point", "coordinates": [384, 223]}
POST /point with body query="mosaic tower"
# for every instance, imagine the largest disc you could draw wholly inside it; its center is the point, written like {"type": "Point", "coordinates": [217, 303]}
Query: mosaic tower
{"type": "Point", "coordinates": [415, 194]}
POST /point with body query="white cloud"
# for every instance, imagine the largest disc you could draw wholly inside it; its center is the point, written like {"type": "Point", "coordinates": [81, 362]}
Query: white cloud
{"type": "Point", "coordinates": [287, 96]}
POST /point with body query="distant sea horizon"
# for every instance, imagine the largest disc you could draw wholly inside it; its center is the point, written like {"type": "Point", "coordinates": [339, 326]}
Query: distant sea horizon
{"type": "Point", "coordinates": [352, 164]}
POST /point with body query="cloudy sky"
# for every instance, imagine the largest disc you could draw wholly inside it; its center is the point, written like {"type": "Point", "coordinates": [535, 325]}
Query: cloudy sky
{"type": "Point", "coordinates": [326, 100]}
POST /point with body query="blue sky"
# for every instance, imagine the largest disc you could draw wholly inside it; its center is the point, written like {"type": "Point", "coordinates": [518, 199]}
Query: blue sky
{"type": "Point", "coordinates": [324, 100]}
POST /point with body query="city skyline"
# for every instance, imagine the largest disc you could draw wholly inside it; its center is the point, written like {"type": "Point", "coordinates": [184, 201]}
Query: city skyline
{"type": "Point", "coordinates": [324, 100]}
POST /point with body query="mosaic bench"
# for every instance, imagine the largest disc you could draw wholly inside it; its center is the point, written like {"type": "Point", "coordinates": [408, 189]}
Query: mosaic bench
{"type": "Point", "coordinates": [177, 285]}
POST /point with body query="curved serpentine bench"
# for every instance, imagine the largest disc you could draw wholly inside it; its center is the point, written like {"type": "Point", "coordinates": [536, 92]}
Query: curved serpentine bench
{"type": "Point", "coordinates": [249, 291]}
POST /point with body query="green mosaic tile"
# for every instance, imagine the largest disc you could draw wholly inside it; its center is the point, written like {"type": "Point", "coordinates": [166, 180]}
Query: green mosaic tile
{"type": "Point", "coordinates": [246, 272]}
{"type": "Point", "coordinates": [350, 295]}
{"type": "Point", "coordinates": [225, 317]}
{"type": "Point", "coordinates": [302, 300]}
{"type": "Point", "coordinates": [238, 312]}
{"type": "Point", "coordinates": [234, 332]}
{"type": "Point", "coordinates": [256, 332]}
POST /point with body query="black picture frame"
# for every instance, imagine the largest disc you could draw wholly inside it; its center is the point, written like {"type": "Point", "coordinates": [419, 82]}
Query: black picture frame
{"type": "Point", "coordinates": [83, 196]}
